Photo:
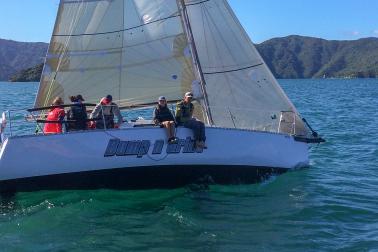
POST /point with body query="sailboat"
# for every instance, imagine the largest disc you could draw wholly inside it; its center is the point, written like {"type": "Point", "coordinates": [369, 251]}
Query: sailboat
{"type": "Point", "coordinates": [138, 50]}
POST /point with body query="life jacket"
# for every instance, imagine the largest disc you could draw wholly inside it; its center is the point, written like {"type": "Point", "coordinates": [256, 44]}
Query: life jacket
{"type": "Point", "coordinates": [186, 112]}
{"type": "Point", "coordinates": [56, 114]}
{"type": "Point", "coordinates": [163, 114]}
{"type": "Point", "coordinates": [78, 113]}
{"type": "Point", "coordinates": [108, 115]}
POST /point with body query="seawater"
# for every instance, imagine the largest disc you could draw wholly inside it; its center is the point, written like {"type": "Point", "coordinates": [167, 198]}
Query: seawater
{"type": "Point", "coordinates": [330, 206]}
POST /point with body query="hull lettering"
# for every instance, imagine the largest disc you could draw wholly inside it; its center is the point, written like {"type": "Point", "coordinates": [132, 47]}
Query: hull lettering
{"type": "Point", "coordinates": [139, 148]}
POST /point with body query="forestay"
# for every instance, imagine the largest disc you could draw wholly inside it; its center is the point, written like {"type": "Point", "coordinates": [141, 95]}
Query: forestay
{"type": "Point", "coordinates": [135, 50]}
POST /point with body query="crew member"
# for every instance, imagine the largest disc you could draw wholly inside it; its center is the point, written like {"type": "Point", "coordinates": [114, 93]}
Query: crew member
{"type": "Point", "coordinates": [163, 117]}
{"type": "Point", "coordinates": [55, 117]}
{"type": "Point", "coordinates": [184, 117]}
{"type": "Point", "coordinates": [106, 109]}
{"type": "Point", "coordinates": [77, 114]}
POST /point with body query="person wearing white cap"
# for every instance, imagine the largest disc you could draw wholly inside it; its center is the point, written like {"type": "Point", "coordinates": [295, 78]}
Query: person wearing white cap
{"type": "Point", "coordinates": [163, 117]}
{"type": "Point", "coordinates": [184, 117]}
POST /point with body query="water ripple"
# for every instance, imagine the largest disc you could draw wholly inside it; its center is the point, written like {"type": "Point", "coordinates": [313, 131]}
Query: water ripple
{"type": "Point", "coordinates": [331, 206]}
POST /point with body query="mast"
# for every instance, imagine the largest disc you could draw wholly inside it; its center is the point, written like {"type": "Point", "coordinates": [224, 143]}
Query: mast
{"type": "Point", "coordinates": [197, 63]}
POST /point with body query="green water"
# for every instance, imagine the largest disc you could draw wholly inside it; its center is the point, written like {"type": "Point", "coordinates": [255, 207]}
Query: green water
{"type": "Point", "coordinates": [331, 206]}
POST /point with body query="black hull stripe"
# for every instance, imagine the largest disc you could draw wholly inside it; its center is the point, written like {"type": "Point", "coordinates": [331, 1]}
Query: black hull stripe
{"type": "Point", "coordinates": [151, 177]}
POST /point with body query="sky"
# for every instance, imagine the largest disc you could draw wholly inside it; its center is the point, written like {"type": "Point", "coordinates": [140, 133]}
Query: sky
{"type": "Point", "coordinates": [33, 20]}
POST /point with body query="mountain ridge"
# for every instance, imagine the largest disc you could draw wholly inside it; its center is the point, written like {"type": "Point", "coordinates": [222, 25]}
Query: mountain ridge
{"type": "Point", "coordinates": [297, 56]}
{"type": "Point", "coordinates": [16, 56]}
{"type": "Point", "coordinates": [291, 57]}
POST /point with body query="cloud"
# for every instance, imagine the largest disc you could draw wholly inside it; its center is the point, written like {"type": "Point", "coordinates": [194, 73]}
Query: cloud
{"type": "Point", "coordinates": [375, 32]}
{"type": "Point", "coordinates": [355, 33]}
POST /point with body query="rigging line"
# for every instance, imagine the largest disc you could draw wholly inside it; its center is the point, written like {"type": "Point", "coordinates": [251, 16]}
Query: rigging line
{"type": "Point", "coordinates": [37, 98]}
{"type": "Point", "coordinates": [204, 34]}
{"type": "Point", "coordinates": [72, 27]}
{"type": "Point", "coordinates": [122, 52]}
{"type": "Point", "coordinates": [80, 1]}
{"type": "Point", "coordinates": [205, 38]}
{"type": "Point", "coordinates": [122, 30]}
{"type": "Point", "coordinates": [196, 61]}
{"type": "Point", "coordinates": [197, 3]}
{"type": "Point", "coordinates": [234, 70]}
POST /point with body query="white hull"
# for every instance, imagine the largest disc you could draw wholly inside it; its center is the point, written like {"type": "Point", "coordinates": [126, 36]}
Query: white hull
{"type": "Point", "coordinates": [27, 163]}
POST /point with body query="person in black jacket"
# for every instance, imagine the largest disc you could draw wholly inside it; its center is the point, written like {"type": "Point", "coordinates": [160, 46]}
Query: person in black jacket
{"type": "Point", "coordinates": [77, 114]}
{"type": "Point", "coordinates": [162, 116]}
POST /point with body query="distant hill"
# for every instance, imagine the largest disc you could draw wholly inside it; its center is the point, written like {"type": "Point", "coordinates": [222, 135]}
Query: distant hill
{"type": "Point", "coordinates": [288, 57]}
{"type": "Point", "coordinates": [16, 56]}
{"type": "Point", "coordinates": [32, 74]}
{"type": "Point", "coordinates": [306, 57]}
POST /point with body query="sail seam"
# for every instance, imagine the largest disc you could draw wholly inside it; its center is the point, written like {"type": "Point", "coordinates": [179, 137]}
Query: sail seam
{"type": "Point", "coordinates": [127, 29]}
{"type": "Point", "coordinates": [234, 70]}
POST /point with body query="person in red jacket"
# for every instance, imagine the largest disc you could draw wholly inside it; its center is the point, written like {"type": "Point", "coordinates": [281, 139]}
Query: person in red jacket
{"type": "Point", "coordinates": [55, 114]}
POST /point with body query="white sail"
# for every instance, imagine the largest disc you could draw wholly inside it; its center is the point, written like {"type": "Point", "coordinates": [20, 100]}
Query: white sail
{"type": "Point", "coordinates": [242, 92]}
{"type": "Point", "coordinates": [135, 50]}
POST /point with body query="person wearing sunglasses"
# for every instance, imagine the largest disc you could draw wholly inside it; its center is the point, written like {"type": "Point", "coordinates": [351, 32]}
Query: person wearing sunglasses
{"type": "Point", "coordinates": [163, 117]}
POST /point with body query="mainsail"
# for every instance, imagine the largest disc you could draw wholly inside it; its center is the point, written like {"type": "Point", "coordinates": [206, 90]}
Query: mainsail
{"type": "Point", "coordinates": [137, 50]}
